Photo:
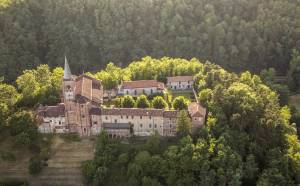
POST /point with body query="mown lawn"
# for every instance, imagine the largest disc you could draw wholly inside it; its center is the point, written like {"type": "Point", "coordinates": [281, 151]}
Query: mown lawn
{"type": "Point", "coordinates": [295, 101]}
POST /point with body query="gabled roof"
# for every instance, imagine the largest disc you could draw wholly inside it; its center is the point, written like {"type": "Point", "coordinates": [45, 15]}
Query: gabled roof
{"type": "Point", "coordinates": [170, 114]}
{"type": "Point", "coordinates": [95, 111]}
{"type": "Point", "coordinates": [180, 78]}
{"type": "Point", "coordinates": [196, 110]}
{"type": "Point", "coordinates": [142, 84]}
{"type": "Point", "coordinates": [132, 111]}
{"type": "Point", "coordinates": [52, 111]}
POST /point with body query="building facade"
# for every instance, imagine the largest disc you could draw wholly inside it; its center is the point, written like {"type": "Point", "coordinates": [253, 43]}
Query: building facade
{"type": "Point", "coordinates": [180, 82]}
{"type": "Point", "coordinates": [80, 110]}
{"type": "Point", "coordinates": [136, 88]}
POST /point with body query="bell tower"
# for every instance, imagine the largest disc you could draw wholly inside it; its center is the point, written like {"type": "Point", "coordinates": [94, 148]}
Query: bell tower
{"type": "Point", "coordinates": [68, 84]}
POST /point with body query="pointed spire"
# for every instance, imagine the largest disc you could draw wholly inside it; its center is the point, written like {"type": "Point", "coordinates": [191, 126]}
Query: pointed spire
{"type": "Point", "coordinates": [67, 71]}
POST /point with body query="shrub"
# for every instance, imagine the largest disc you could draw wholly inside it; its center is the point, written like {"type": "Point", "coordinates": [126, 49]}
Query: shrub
{"type": "Point", "coordinates": [35, 165]}
{"type": "Point", "coordinates": [71, 137]}
{"type": "Point", "coordinates": [88, 170]}
{"type": "Point", "coordinates": [7, 156]}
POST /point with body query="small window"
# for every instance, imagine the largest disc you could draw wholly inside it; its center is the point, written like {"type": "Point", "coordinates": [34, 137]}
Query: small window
{"type": "Point", "coordinates": [81, 106]}
{"type": "Point", "coordinates": [149, 117]}
{"type": "Point", "coordinates": [135, 92]}
{"type": "Point", "coordinates": [155, 126]}
{"type": "Point", "coordinates": [170, 119]}
{"type": "Point", "coordinates": [116, 121]}
{"type": "Point", "coordinates": [141, 117]}
{"type": "Point", "coordinates": [95, 122]}
{"type": "Point", "coordinates": [150, 125]}
{"type": "Point", "coordinates": [106, 117]}
{"type": "Point", "coordinates": [126, 117]}
{"type": "Point", "coordinates": [141, 125]}
{"type": "Point", "coordinates": [132, 117]}
{"type": "Point", "coordinates": [121, 117]}
{"type": "Point", "coordinates": [83, 116]}
{"type": "Point", "coordinates": [195, 119]}
{"type": "Point", "coordinates": [127, 92]}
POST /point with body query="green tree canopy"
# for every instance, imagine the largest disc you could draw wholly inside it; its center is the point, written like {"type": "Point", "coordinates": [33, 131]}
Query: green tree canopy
{"type": "Point", "coordinates": [158, 102]}
{"type": "Point", "coordinates": [180, 103]}
{"type": "Point", "coordinates": [128, 102]}
{"type": "Point", "coordinates": [142, 102]}
{"type": "Point", "coordinates": [183, 125]}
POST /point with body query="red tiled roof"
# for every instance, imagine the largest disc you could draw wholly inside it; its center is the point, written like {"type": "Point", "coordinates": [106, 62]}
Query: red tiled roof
{"type": "Point", "coordinates": [132, 112]}
{"type": "Point", "coordinates": [142, 84]}
{"type": "Point", "coordinates": [196, 110]}
{"type": "Point", "coordinates": [170, 114]}
{"type": "Point", "coordinates": [52, 111]}
{"type": "Point", "coordinates": [180, 78]}
{"type": "Point", "coordinates": [95, 111]}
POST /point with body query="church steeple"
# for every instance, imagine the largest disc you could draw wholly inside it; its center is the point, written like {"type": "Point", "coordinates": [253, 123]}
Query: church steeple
{"type": "Point", "coordinates": [67, 71]}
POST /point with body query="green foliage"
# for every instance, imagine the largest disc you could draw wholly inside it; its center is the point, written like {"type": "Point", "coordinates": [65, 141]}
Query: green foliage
{"type": "Point", "coordinates": [8, 94]}
{"type": "Point", "coordinates": [180, 103]}
{"type": "Point", "coordinates": [183, 125]}
{"type": "Point", "coordinates": [128, 102]}
{"type": "Point", "coordinates": [7, 156]}
{"type": "Point", "coordinates": [23, 125]}
{"type": "Point", "coordinates": [153, 144]}
{"type": "Point", "coordinates": [40, 85]}
{"type": "Point", "coordinates": [35, 165]}
{"type": "Point", "coordinates": [236, 34]}
{"type": "Point", "coordinates": [88, 169]}
{"type": "Point", "coordinates": [142, 102]}
{"type": "Point", "coordinates": [71, 137]}
{"type": "Point", "coordinates": [294, 71]}
{"type": "Point", "coordinates": [158, 102]}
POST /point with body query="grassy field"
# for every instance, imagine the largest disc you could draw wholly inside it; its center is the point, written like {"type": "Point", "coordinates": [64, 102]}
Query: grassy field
{"type": "Point", "coordinates": [13, 160]}
{"type": "Point", "coordinates": [185, 93]}
{"type": "Point", "coordinates": [295, 101]}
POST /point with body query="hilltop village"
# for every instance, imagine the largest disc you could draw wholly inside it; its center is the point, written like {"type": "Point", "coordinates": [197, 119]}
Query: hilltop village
{"type": "Point", "coordinates": [82, 108]}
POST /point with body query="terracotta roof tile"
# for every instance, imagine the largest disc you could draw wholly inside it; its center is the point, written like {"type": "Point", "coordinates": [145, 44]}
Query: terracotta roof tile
{"type": "Point", "coordinates": [52, 111]}
{"type": "Point", "coordinates": [132, 112]}
{"type": "Point", "coordinates": [142, 84]}
{"type": "Point", "coordinates": [196, 110]}
{"type": "Point", "coordinates": [170, 114]}
{"type": "Point", "coordinates": [180, 78]}
{"type": "Point", "coordinates": [95, 111]}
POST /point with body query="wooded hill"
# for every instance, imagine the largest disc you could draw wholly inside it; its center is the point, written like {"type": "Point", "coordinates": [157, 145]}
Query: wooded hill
{"type": "Point", "coordinates": [248, 138]}
{"type": "Point", "coordinates": [237, 34]}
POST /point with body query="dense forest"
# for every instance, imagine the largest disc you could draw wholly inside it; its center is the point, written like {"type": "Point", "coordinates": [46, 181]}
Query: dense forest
{"type": "Point", "coordinates": [237, 34]}
{"type": "Point", "coordinates": [248, 139]}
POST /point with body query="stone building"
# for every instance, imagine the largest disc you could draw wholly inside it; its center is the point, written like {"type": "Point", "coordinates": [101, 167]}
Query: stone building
{"type": "Point", "coordinates": [80, 110]}
{"type": "Point", "coordinates": [180, 82]}
{"type": "Point", "coordinates": [197, 113]}
{"type": "Point", "coordinates": [79, 95]}
{"type": "Point", "coordinates": [136, 88]}
{"type": "Point", "coordinates": [134, 121]}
